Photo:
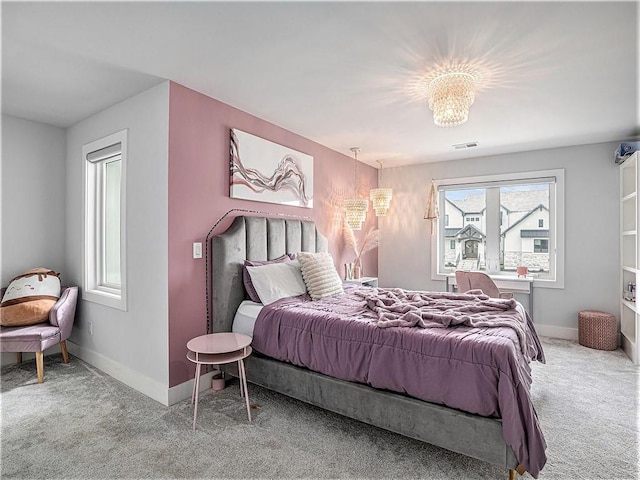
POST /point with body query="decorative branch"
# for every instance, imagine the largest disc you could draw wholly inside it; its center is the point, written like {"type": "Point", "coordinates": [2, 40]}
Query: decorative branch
{"type": "Point", "coordinates": [370, 241]}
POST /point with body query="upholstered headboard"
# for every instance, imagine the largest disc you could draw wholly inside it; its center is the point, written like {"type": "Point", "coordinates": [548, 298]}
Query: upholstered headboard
{"type": "Point", "coordinates": [252, 238]}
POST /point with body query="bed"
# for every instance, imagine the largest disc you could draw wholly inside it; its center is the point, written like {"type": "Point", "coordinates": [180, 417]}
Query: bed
{"type": "Point", "coordinates": [260, 238]}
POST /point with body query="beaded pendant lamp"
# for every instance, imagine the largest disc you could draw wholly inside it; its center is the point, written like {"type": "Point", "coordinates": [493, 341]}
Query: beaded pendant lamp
{"type": "Point", "coordinates": [355, 209]}
{"type": "Point", "coordinates": [381, 197]}
{"type": "Point", "coordinates": [450, 96]}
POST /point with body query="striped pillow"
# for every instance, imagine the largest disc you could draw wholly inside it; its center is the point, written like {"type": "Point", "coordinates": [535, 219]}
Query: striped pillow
{"type": "Point", "coordinates": [319, 274]}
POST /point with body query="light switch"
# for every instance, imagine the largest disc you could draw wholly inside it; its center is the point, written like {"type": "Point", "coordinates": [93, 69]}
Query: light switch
{"type": "Point", "coordinates": [197, 250]}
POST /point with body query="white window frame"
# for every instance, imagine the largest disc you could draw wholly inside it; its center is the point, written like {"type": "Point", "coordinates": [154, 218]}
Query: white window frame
{"type": "Point", "coordinates": [96, 289]}
{"type": "Point", "coordinates": [556, 223]}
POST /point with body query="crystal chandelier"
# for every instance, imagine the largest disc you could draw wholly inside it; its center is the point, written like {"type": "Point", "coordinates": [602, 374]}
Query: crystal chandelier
{"type": "Point", "coordinates": [355, 209]}
{"type": "Point", "coordinates": [381, 197]}
{"type": "Point", "coordinates": [450, 96]}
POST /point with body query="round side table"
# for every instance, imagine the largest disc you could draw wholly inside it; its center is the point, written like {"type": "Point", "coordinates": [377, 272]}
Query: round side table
{"type": "Point", "coordinates": [216, 349]}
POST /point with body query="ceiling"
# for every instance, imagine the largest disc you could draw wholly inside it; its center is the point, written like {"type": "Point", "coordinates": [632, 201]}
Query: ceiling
{"type": "Point", "coordinates": [341, 74]}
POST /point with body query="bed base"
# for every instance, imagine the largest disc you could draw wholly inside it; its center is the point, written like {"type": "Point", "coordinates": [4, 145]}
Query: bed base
{"type": "Point", "coordinates": [460, 432]}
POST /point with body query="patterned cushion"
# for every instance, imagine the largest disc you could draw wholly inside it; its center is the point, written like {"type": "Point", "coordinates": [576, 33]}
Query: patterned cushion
{"type": "Point", "coordinates": [29, 298]}
{"type": "Point", "coordinates": [319, 274]}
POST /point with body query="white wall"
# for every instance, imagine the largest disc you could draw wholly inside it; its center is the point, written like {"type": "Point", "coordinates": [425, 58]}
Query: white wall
{"type": "Point", "coordinates": [132, 346]}
{"type": "Point", "coordinates": [33, 198]}
{"type": "Point", "coordinates": [32, 201]}
{"type": "Point", "coordinates": [591, 229]}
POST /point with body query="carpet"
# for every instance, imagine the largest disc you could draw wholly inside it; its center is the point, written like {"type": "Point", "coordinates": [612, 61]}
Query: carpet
{"type": "Point", "coordinates": [81, 423]}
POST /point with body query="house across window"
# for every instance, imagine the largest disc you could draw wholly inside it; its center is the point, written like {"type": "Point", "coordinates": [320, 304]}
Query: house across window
{"type": "Point", "coordinates": [540, 245]}
{"type": "Point", "coordinates": [510, 231]}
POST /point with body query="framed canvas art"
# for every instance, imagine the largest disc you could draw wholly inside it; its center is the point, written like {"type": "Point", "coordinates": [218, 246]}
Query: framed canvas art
{"type": "Point", "coordinates": [264, 171]}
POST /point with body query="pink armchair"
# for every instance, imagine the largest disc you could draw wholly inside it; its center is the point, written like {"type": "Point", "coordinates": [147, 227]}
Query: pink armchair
{"type": "Point", "coordinates": [479, 281]}
{"type": "Point", "coordinates": [37, 338]}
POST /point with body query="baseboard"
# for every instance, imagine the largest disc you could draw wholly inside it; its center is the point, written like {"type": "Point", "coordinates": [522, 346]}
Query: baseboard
{"type": "Point", "coordinates": [563, 332]}
{"type": "Point", "coordinates": [145, 385]}
{"type": "Point", "coordinates": [557, 332]}
{"type": "Point", "coordinates": [183, 391]}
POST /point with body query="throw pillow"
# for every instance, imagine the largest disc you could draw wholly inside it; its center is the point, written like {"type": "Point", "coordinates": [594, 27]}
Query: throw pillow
{"type": "Point", "coordinates": [274, 281]}
{"type": "Point", "coordinates": [29, 298]}
{"type": "Point", "coordinates": [319, 274]}
{"type": "Point", "coordinates": [246, 278]}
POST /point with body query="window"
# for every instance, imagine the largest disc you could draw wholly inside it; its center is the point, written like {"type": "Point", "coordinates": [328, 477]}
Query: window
{"type": "Point", "coordinates": [446, 220]}
{"type": "Point", "coordinates": [452, 245]}
{"type": "Point", "coordinates": [104, 267]}
{"type": "Point", "coordinates": [541, 245]}
{"type": "Point", "coordinates": [510, 231]}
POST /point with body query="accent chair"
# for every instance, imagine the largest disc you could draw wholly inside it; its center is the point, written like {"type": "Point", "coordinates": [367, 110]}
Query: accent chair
{"type": "Point", "coordinates": [479, 281]}
{"type": "Point", "coordinates": [37, 338]}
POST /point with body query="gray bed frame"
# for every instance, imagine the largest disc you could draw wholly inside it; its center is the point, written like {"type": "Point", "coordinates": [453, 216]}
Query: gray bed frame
{"type": "Point", "coordinates": [261, 238]}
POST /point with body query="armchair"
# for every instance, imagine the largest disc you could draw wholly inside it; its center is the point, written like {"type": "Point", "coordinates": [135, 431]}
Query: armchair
{"type": "Point", "coordinates": [37, 338]}
{"type": "Point", "coordinates": [479, 281]}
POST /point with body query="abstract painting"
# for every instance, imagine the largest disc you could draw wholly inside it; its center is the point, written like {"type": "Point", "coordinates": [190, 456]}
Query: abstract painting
{"type": "Point", "coordinates": [264, 171]}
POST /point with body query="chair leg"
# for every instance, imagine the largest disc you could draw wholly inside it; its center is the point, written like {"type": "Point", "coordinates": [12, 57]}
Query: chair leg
{"type": "Point", "coordinates": [19, 357]}
{"type": "Point", "coordinates": [65, 354]}
{"type": "Point", "coordinates": [40, 366]}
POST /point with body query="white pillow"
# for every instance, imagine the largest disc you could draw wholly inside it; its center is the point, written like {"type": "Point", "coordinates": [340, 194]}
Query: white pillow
{"type": "Point", "coordinates": [319, 274]}
{"type": "Point", "coordinates": [277, 280]}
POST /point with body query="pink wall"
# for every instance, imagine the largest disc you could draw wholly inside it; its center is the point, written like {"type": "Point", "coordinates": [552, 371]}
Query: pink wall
{"type": "Point", "coordinates": [199, 195]}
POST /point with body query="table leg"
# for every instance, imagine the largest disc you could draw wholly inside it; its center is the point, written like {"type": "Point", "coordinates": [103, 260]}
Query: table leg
{"type": "Point", "coordinates": [195, 380]}
{"type": "Point", "coordinates": [197, 387]}
{"type": "Point", "coordinates": [240, 375]}
{"type": "Point", "coordinates": [243, 374]}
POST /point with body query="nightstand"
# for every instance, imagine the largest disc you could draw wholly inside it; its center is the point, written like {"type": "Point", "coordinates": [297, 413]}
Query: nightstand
{"type": "Point", "coordinates": [216, 349]}
{"type": "Point", "coordinates": [366, 281]}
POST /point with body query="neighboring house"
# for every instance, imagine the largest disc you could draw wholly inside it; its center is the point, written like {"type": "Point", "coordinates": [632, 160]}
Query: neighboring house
{"type": "Point", "coordinates": [524, 230]}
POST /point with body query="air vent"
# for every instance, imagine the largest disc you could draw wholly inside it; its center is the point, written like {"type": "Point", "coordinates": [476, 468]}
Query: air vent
{"type": "Point", "coordinates": [458, 146]}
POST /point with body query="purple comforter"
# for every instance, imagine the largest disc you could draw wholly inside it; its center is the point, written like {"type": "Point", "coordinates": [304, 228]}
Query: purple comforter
{"type": "Point", "coordinates": [471, 353]}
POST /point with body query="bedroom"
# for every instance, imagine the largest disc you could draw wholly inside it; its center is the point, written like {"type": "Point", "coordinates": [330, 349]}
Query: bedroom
{"type": "Point", "coordinates": [66, 83]}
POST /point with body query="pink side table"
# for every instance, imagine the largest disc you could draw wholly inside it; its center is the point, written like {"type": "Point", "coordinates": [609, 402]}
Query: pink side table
{"type": "Point", "coordinates": [216, 349]}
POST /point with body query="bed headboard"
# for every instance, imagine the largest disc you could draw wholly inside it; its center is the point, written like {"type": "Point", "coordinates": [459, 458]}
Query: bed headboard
{"type": "Point", "coordinates": [252, 238]}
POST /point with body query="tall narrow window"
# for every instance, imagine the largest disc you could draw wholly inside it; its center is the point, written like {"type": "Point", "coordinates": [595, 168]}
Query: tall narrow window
{"type": "Point", "coordinates": [105, 272]}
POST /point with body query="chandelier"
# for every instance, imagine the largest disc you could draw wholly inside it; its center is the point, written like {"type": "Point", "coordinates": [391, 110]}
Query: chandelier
{"type": "Point", "coordinates": [355, 209]}
{"type": "Point", "coordinates": [381, 197]}
{"type": "Point", "coordinates": [450, 96]}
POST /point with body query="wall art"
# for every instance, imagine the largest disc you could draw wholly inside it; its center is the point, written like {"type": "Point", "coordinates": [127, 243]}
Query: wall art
{"type": "Point", "coordinates": [265, 171]}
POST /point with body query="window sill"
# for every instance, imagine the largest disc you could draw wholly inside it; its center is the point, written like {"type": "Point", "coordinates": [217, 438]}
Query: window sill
{"type": "Point", "coordinates": [113, 300]}
{"type": "Point", "coordinates": [537, 282]}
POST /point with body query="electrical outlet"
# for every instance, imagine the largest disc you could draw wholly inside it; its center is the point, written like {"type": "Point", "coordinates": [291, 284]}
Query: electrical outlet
{"type": "Point", "coordinates": [90, 327]}
{"type": "Point", "coordinates": [197, 250]}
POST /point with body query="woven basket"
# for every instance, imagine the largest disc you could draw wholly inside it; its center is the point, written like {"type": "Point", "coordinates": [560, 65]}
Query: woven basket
{"type": "Point", "coordinates": [597, 330]}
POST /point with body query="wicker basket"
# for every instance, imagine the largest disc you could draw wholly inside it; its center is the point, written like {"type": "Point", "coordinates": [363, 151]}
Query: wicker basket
{"type": "Point", "coordinates": [597, 330]}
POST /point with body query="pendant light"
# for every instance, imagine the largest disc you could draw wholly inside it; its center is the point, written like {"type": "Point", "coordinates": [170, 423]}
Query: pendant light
{"type": "Point", "coordinates": [355, 209]}
{"type": "Point", "coordinates": [450, 96]}
{"type": "Point", "coordinates": [381, 197]}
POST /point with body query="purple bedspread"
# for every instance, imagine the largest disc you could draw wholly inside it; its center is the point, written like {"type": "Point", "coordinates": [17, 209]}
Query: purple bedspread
{"type": "Point", "coordinates": [482, 369]}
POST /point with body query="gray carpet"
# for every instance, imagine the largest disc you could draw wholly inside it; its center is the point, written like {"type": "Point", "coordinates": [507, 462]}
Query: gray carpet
{"type": "Point", "coordinates": [82, 423]}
